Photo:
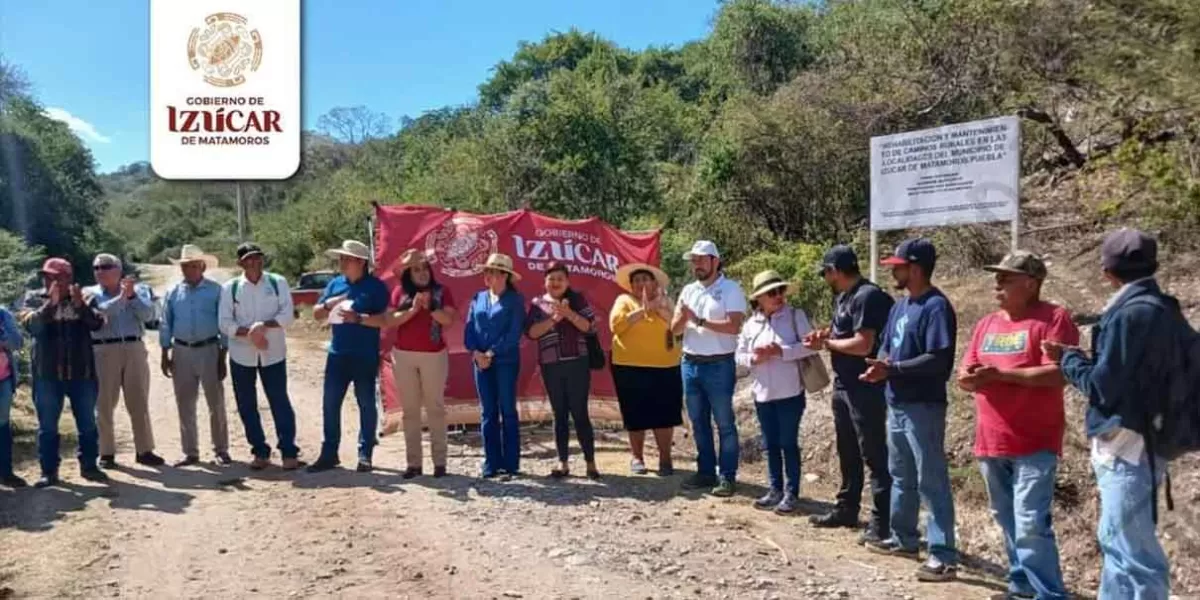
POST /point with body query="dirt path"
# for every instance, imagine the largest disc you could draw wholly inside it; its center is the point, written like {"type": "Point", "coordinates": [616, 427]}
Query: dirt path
{"type": "Point", "coordinates": [231, 533]}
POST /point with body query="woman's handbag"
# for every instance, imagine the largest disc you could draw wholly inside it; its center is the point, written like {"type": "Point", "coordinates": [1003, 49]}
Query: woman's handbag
{"type": "Point", "coordinates": [813, 373]}
{"type": "Point", "coordinates": [595, 351]}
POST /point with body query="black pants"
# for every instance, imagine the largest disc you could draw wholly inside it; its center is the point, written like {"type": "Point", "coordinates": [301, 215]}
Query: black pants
{"type": "Point", "coordinates": [567, 385]}
{"type": "Point", "coordinates": [860, 416]}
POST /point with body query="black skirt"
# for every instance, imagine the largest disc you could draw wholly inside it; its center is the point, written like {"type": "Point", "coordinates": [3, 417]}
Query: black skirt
{"type": "Point", "coordinates": [650, 397]}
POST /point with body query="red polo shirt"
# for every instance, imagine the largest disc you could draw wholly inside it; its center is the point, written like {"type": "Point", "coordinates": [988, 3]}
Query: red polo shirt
{"type": "Point", "coordinates": [416, 334]}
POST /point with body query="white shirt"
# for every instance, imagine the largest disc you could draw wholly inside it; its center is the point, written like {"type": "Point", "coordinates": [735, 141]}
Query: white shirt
{"type": "Point", "coordinates": [712, 303]}
{"type": "Point", "coordinates": [256, 303]}
{"type": "Point", "coordinates": [779, 377]}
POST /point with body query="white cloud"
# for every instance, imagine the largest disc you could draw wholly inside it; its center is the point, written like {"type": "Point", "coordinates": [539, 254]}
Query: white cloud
{"type": "Point", "coordinates": [81, 128]}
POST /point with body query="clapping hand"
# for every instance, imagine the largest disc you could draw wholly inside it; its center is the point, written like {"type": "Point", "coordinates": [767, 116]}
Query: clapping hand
{"type": "Point", "coordinates": [55, 292]}
{"type": "Point", "coordinates": [128, 289]}
{"type": "Point", "coordinates": [561, 310]}
{"type": "Point", "coordinates": [258, 336]}
{"type": "Point", "coordinates": [422, 301]}
{"type": "Point", "coordinates": [763, 354]}
{"type": "Point", "coordinates": [76, 295]}
{"type": "Point", "coordinates": [877, 370]}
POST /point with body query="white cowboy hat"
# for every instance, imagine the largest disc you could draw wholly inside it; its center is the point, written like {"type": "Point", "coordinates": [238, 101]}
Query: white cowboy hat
{"type": "Point", "coordinates": [351, 248]}
{"type": "Point", "coordinates": [625, 275]}
{"type": "Point", "coordinates": [411, 258]}
{"type": "Point", "coordinates": [502, 262]}
{"type": "Point", "coordinates": [191, 253]}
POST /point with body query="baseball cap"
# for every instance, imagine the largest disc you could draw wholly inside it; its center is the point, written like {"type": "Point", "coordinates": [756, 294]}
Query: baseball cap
{"type": "Point", "coordinates": [1020, 262]}
{"type": "Point", "coordinates": [702, 248]}
{"type": "Point", "coordinates": [919, 251]}
{"type": "Point", "coordinates": [1129, 249]}
{"type": "Point", "coordinates": [840, 257]}
{"type": "Point", "coordinates": [57, 266]}
{"type": "Point", "coordinates": [106, 261]}
{"type": "Point", "coordinates": [248, 249]}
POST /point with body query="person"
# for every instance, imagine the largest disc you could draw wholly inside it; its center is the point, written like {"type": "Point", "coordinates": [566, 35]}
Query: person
{"type": "Point", "coordinates": [11, 341]}
{"type": "Point", "coordinates": [255, 308]}
{"type": "Point", "coordinates": [1130, 348]}
{"type": "Point", "coordinates": [645, 364]}
{"type": "Point", "coordinates": [916, 359]}
{"type": "Point", "coordinates": [61, 319]}
{"type": "Point", "coordinates": [193, 353]}
{"type": "Point", "coordinates": [1019, 422]}
{"type": "Point", "coordinates": [122, 362]}
{"type": "Point", "coordinates": [421, 309]}
{"type": "Point", "coordinates": [860, 313]}
{"type": "Point", "coordinates": [709, 314]}
{"type": "Point", "coordinates": [352, 297]}
{"type": "Point", "coordinates": [770, 346]}
{"type": "Point", "coordinates": [495, 320]}
{"type": "Point", "coordinates": [559, 321]}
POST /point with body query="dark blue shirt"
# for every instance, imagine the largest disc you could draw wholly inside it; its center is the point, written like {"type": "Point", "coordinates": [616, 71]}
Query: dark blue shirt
{"type": "Point", "coordinates": [920, 342]}
{"type": "Point", "coordinates": [863, 306]}
{"type": "Point", "coordinates": [369, 296]}
{"type": "Point", "coordinates": [496, 326]}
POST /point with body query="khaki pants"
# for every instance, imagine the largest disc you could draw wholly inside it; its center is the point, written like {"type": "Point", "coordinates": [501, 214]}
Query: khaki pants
{"type": "Point", "coordinates": [123, 367]}
{"type": "Point", "coordinates": [196, 367]}
{"type": "Point", "coordinates": [421, 382]}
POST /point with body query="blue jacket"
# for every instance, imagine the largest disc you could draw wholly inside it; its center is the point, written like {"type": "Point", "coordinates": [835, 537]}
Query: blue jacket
{"type": "Point", "coordinates": [496, 327]}
{"type": "Point", "coordinates": [10, 334]}
{"type": "Point", "coordinates": [1129, 346]}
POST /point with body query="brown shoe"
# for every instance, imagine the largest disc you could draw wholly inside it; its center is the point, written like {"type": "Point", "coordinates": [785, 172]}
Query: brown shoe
{"type": "Point", "coordinates": [260, 463]}
{"type": "Point", "coordinates": [291, 464]}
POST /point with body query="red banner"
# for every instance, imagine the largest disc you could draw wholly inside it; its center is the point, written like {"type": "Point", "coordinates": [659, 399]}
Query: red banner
{"type": "Point", "coordinates": [459, 243]}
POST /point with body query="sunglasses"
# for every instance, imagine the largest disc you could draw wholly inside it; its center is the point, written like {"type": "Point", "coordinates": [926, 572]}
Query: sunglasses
{"type": "Point", "coordinates": [104, 267]}
{"type": "Point", "coordinates": [775, 293]}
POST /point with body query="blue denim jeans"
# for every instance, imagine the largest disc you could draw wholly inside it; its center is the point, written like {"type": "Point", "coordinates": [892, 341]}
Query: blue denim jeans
{"type": "Point", "coordinates": [340, 371]}
{"type": "Point", "coordinates": [1021, 490]}
{"type": "Point", "coordinates": [245, 391]}
{"type": "Point", "coordinates": [708, 388]}
{"type": "Point", "coordinates": [48, 397]}
{"type": "Point", "coordinates": [499, 423]}
{"type": "Point", "coordinates": [1135, 566]}
{"type": "Point", "coordinates": [780, 424]}
{"type": "Point", "coordinates": [6, 436]}
{"type": "Point", "coordinates": [917, 462]}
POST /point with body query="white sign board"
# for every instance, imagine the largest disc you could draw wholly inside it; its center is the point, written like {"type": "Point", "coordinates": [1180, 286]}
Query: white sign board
{"type": "Point", "coordinates": [964, 173]}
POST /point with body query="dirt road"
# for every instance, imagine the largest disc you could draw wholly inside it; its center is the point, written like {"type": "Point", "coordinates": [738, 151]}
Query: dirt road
{"type": "Point", "coordinates": [232, 533]}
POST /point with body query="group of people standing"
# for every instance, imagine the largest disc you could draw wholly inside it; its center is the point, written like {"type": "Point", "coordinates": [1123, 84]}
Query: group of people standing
{"type": "Point", "coordinates": [891, 360]}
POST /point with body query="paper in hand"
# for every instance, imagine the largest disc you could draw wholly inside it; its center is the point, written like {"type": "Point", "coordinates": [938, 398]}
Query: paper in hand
{"type": "Point", "coordinates": [337, 315]}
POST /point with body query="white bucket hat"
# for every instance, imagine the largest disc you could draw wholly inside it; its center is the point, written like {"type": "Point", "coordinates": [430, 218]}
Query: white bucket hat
{"type": "Point", "coordinates": [351, 248]}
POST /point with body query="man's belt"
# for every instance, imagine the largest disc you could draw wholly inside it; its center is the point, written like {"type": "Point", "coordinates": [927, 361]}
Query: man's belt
{"type": "Point", "coordinates": [706, 359]}
{"type": "Point", "coordinates": [200, 344]}
{"type": "Point", "coordinates": [124, 340]}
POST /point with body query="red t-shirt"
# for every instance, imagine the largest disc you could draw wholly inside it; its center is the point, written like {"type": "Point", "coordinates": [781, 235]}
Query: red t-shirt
{"type": "Point", "coordinates": [417, 334]}
{"type": "Point", "coordinates": [1013, 420]}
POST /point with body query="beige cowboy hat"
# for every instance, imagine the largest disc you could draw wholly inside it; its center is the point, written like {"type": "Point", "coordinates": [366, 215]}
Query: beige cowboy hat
{"type": "Point", "coordinates": [351, 248]}
{"type": "Point", "coordinates": [191, 253]}
{"type": "Point", "coordinates": [625, 275]}
{"type": "Point", "coordinates": [502, 262]}
{"type": "Point", "coordinates": [767, 281]}
{"type": "Point", "coordinates": [411, 258]}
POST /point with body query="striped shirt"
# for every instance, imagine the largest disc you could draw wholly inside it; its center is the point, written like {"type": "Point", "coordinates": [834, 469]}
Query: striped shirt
{"type": "Point", "coordinates": [564, 341]}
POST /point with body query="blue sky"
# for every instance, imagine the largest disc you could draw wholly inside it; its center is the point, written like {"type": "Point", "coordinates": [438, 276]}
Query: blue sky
{"type": "Point", "coordinates": [88, 59]}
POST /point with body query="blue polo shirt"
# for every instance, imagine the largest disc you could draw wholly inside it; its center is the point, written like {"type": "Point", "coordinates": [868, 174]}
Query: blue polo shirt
{"type": "Point", "coordinates": [369, 296]}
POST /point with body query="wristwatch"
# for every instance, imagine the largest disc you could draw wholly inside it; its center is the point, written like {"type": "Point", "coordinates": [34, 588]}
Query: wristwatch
{"type": "Point", "coordinates": [699, 321]}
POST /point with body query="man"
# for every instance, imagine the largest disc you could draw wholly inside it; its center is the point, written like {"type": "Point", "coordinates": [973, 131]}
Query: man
{"type": "Point", "coordinates": [255, 308]}
{"type": "Point", "coordinates": [860, 313]}
{"type": "Point", "coordinates": [353, 357]}
{"type": "Point", "coordinates": [709, 314]}
{"type": "Point", "coordinates": [1131, 346]}
{"type": "Point", "coordinates": [193, 353]}
{"type": "Point", "coordinates": [61, 321]}
{"type": "Point", "coordinates": [122, 361]}
{"type": "Point", "coordinates": [916, 359]}
{"type": "Point", "coordinates": [1019, 419]}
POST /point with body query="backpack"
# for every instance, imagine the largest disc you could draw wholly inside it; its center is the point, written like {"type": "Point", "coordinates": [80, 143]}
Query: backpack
{"type": "Point", "coordinates": [272, 278]}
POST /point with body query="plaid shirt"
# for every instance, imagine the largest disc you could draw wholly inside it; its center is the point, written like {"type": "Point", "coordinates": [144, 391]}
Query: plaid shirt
{"type": "Point", "coordinates": [62, 336]}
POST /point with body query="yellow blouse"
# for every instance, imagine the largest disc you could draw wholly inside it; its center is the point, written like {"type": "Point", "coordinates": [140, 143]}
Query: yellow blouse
{"type": "Point", "coordinates": [641, 344]}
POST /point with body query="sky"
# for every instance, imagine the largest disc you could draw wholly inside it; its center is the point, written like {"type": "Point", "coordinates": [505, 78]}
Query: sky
{"type": "Point", "coordinates": [88, 60]}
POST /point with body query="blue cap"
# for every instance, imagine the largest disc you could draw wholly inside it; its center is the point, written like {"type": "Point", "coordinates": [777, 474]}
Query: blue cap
{"type": "Point", "coordinates": [840, 257]}
{"type": "Point", "coordinates": [918, 251]}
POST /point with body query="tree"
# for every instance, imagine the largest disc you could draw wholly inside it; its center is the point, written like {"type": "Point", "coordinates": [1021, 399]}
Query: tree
{"type": "Point", "coordinates": [354, 125]}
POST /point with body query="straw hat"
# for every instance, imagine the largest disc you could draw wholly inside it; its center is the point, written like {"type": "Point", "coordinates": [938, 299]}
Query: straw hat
{"type": "Point", "coordinates": [191, 253]}
{"type": "Point", "coordinates": [502, 262]}
{"type": "Point", "coordinates": [765, 282]}
{"type": "Point", "coordinates": [411, 258]}
{"type": "Point", "coordinates": [625, 275]}
{"type": "Point", "coordinates": [351, 248]}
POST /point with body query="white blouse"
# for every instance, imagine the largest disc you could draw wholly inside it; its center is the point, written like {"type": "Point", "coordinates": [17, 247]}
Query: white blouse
{"type": "Point", "coordinates": [779, 377]}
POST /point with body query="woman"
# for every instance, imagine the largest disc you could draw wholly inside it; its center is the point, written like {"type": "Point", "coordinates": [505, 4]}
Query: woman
{"type": "Point", "coordinates": [421, 310]}
{"type": "Point", "coordinates": [495, 320]}
{"type": "Point", "coordinates": [771, 346]}
{"type": "Point", "coordinates": [645, 364]}
{"type": "Point", "coordinates": [560, 321]}
{"type": "Point", "coordinates": [10, 342]}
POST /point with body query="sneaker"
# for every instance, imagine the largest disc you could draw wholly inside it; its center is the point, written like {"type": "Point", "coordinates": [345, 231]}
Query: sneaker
{"type": "Point", "coordinates": [699, 482]}
{"type": "Point", "coordinates": [489, 474]}
{"type": "Point", "coordinates": [108, 461]}
{"type": "Point", "coordinates": [769, 501]}
{"type": "Point", "coordinates": [439, 472]}
{"type": "Point", "coordinates": [291, 464]}
{"type": "Point", "coordinates": [788, 505]}
{"type": "Point", "coordinates": [835, 519]}
{"type": "Point", "coordinates": [223, 459]}
{"type": "Point", "coordinates": [637, 467]}
{"type": "Point", "coordinates": [94, 474]}
{"type": "Point", "coordinates": [725, 488]}
{"type": "Point", "coordinates": [259, 463]}
{"type": "Point", "coordinates": [47, 480]}
{"type": "Point", "coordinates": [666, 469]}
{"type": "Point", "coordinates": [187, 461]}
{"type": "Point", "coordinates": [890, 547]}
{"type": "Point", "coordinates": [13, 481]}
{"type": "Point", "coordinates": [150, 459]}
{"type": "Point", "coordinates": [411, 472]}
{"type": "Point", "coordinates": [593, 474]}
{"type": "Point", "coordinates": [324, 464]}
{"type": "Point", "coordinates": [935, 571]}
{"type": "Point", "coordinates": [364, 465]}
{"type": "Point", "coordinates": [870, 536]}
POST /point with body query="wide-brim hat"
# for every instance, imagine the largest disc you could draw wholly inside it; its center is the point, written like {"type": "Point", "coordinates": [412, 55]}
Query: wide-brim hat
{"type": "Point", "coordinates": [411, 258]}
{"type": "Point", "coordinates": [352, 249]}
{"type": "Point", "coordinates": [767, 281]}
{"type": "Point", "coordinates": [502, 262]}
{"type": "Point", "coordinates": [191, 253]}
{"type": "Point", "coordinates": [625, 275]}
